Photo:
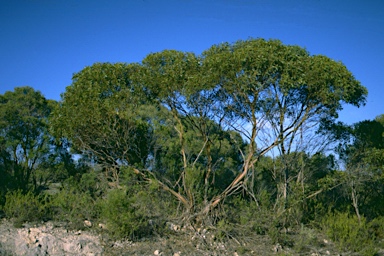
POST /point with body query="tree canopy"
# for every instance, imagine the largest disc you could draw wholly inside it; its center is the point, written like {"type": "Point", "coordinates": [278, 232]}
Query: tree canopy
{"type": "Point", "coordinates": [264, 93]}
{"type": "Point", "coordinates": [25, 141]}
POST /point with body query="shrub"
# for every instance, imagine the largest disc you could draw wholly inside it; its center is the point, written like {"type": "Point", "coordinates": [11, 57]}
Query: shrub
{"type": "Point", "coordinates": [247, 215]}
{"type": "Point", "coordinates": [89, 182]}
{"type": "Point", "coordinates": [77, 200]}
{"type": "Point", "coordinates": [73, 207]}
{"type": "Point", "coordinates": [376, 230]}
{"type": "Point", "coordinates": [122, 216]}
{"type": "Point", "coordinates": [25, 207]}
{"type": "Point", "coordinates": [349, 234]}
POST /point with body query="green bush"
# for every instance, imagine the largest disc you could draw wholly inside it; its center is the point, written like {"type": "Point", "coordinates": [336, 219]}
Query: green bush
{"type": "Point", "coordinates": [376, 230]}
{"type": "Point", "coordinates": [77, 200]}
{"type": "Point", "coordinates": [247, 215]}
{"type": "Point", "coordinates": [349, 234]}
{"type": "Point", "coordinates": [73, 206]}
{"type": "Point", "coordinates": [123, 217]}
{"type": "Point", "coordinates": [22, 207]}
{"type": "Point", "coordinates": [90, 182]}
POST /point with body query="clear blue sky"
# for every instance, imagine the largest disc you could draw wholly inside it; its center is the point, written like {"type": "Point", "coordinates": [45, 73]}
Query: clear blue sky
{"type": "Point", "coordinates": [43, 42]}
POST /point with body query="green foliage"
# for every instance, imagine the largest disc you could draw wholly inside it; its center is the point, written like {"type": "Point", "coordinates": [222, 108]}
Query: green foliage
{"type": "Point", "coordinates": [64, 166]}
{"type": "Point", "coordinates": [361, 151]}
{"type": "Point", "coordinates": [246, 216]}
{"type": "Point", "coordinates": [167, 75]}
{"type": "Point", "coordinates": [350, 234]}
{"type": "Point", "coordinates": [78, 200]}
{"type": "Point", "coordinates": [368, 134]}
{"type": "Point", "coordinates": [224, 230]}
{"type": "Point", "coordinates": [75, 202]}
{"type": "Point", "coordinates": [99, 115]}
{"type": "Point", "coordinates": [194, 179]}
{"type": "Point", "coordinates": [376, 230]}
{"type": "Point", "coordinates": [73, 207]}
{"type": "Point", "coordinates": [136, 209]}
{"type": "Point", "coordinates": [21, 207]}
{"type": "Point", "coordinates": [123, 216]}
{"type": "Point", "coordinates": [90, 182]}
{"type": "Point", "coordinates": [252, 68]}
{"type": "Point", "coordinates": [242, 216]}
{"type": "Point", "coordinates": [24, 139]}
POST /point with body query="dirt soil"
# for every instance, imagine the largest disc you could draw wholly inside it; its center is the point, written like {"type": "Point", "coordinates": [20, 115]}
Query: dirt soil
{"type": "Point", "coordinates": [54, 239]}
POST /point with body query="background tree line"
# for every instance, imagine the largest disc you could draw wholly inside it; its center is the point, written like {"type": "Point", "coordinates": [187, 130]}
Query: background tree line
{"type": "Point", "coordinates": [228, 139]}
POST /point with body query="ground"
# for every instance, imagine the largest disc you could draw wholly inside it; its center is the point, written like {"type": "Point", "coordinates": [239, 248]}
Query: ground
{"type": "Point", "coordinates": [54, 239]}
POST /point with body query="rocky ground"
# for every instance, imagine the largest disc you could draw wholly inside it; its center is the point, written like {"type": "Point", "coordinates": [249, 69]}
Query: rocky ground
{"type": "Point", "coordinates": [54, 239]}
{"type": "Point", "coordinates": [47, 239]}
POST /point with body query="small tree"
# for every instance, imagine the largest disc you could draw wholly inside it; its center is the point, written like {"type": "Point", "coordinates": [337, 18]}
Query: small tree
{"type": "Point", "coordinates": [362, 154]}
{"type": "Point", "coordinates": [24, 139]}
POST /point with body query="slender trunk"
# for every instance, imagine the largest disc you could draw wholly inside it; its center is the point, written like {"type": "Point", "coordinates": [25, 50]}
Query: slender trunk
{"type": "Point", "coordinates": [283, 150]}
{"type": "Point", "coordinates": [208, 173]}
{"type": "Point", "coordinates": [355, 202]}
{"type": "Point", "coordinates": [180, 130]}
{"type": "Point", "coordinates": [285, 192]}
{"type": "Point", "coordinates": [285, 183]}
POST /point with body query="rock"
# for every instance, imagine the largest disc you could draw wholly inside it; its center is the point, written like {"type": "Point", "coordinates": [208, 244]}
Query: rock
{"type": "Point", "coordinates": [102, 226]}
{"type": "Point", "coordinates": [277, 248]}
{"type": "Point", "coordinates": [87, 223]}
{"type": "Point", "coordinates": [157, 252]}
{"type": "Point", "coordinates": [48, 240]}
{"type": "Point", "coordinates": [172, 226]}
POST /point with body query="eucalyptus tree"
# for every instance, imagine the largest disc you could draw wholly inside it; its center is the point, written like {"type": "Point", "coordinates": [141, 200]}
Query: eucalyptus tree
{"type": "Point", "coordinates": [267, 92]}
{"type": "Point", "coordinates": [98, 114]}
{"type": "Point", "coordinates": [175, 81]}
{"type": "Point", "coordinates": [171, 116]}
{"type": "Point", "coordinates": [24, 138]}
{"type": "Point", "coordinates": [272, 92]}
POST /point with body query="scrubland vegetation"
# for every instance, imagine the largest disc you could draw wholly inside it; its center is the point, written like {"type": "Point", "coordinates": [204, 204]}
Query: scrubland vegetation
{"type": "Point", "coordinates": [242, 140]}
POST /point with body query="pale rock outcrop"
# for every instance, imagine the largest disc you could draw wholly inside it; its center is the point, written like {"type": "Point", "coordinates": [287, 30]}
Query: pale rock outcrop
{"type": "Point", "coordinates": [48, 240]}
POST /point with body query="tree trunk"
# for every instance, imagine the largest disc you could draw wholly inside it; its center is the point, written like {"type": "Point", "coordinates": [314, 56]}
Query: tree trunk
{"type": "Point", "coordinates": [355, 203]}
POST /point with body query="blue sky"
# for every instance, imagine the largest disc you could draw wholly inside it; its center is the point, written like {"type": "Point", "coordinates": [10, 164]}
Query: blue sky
{"type": "Point", "coordinates": [43, 42]}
